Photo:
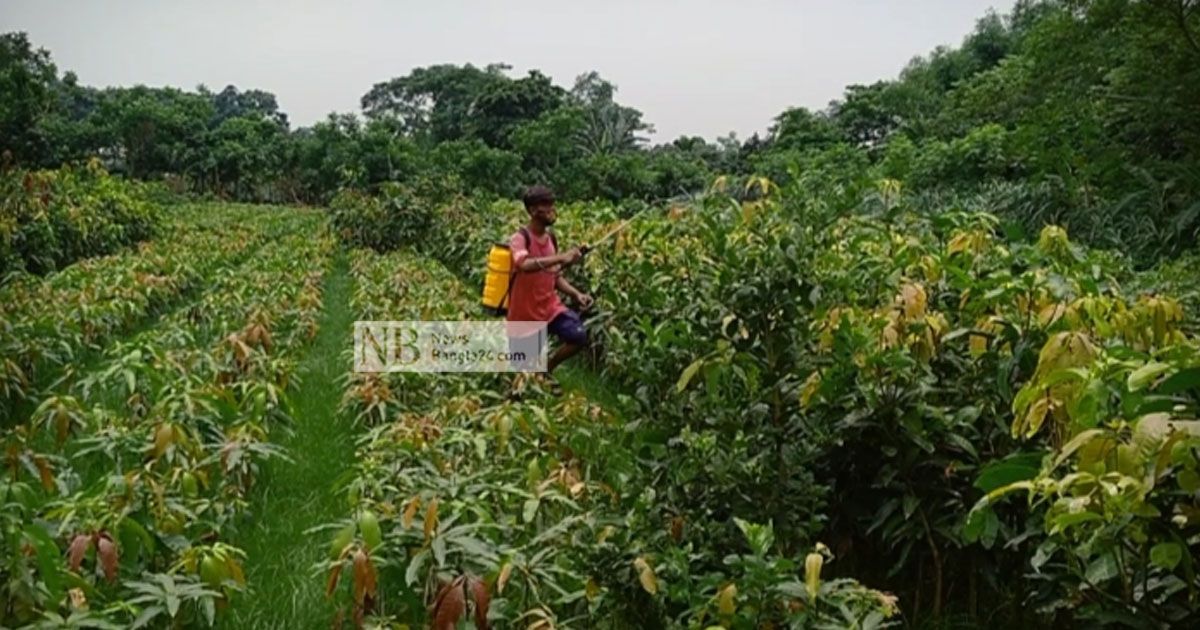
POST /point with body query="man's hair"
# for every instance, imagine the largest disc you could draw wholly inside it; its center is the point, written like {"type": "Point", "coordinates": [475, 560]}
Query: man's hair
{"type": "Point", "coordinates": [536, 196]}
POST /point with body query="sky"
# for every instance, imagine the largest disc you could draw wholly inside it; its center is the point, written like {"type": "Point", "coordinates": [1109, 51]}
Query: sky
{"type": "Point", "coordinates": [700, 67]}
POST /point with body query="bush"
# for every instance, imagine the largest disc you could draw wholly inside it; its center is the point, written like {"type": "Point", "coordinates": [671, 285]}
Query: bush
{"type": "Point", "coordinates": [394, 218]}
{"type": "Point", "coordinates": [49, 219]}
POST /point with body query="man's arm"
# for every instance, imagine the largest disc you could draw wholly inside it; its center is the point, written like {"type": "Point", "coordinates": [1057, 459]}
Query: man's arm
{"type": "Point", "coordinates": [526, 263]}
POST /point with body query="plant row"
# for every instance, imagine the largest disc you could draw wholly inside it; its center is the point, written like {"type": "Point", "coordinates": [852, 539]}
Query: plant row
{"type": "Point", "coordinates": [129, 478]}
{"type": "Point", "coordinates": [50, 322]}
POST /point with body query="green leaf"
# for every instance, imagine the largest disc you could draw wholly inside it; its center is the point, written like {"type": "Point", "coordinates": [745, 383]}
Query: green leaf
{"type": "Point", "coordinates": [48, 556]}
{"type": "Point", "coordinates": [147, 616]}
{"type": "Point", "coordinates": [1180, 382]}
{"type": "Point", "coordinates": [1068, 519]}
{"type": "Point", "coordinates": [1166, 555]}
{"type": "Point", "coordinates": [413, 573]}
{"type": "Point", "coordinates": [688, 373]}
{"type": "Point", "coordinates": [1009, 470]}
{"type": "Point", "coordinates": [1087, 408]}
{"type": "Point", "coordinates": [963, 443]}
{"type": "Point", "coordinates": [977, 523]}
{"type": "Point", "coordinates": [1102, 569]}
{"type": "Point", "coordinates": [1189, 481]}
{"type": "Point", "coordinates": [530, 510]}
{"type": "Point", "coordinates": [1142, 376]}
{"type": "Point", "coordinates": [1076, 443]}
{"type": "Point", "coordinates": [209, 606]}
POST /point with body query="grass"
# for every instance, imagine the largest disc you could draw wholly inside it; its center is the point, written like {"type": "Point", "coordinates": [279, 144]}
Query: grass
{"type": "Point", "coordinates": [575, 376]}
{"type": "Point", "coordinates": [293, 496]}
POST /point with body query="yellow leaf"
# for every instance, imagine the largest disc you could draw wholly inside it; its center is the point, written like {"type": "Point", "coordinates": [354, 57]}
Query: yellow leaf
{"type": "Point", "coordinates": [646, 575]}
{"type": "Point", "coordinates": [812, 575]}
{"type": "Point", "coordinates": [913, 299]}
{"type": "Point", "coordinates": [688, 373]}
{"type": "Point", "coordinates": [727, 600]}
{"type": "Point", "coordinates": [431, 519]}
{"type": "Point", "coordinates": [505, 573]}
{"type": "Point", "coordinates": [591, 589]}
{"type": "Point", "coordinates": [810, 388]}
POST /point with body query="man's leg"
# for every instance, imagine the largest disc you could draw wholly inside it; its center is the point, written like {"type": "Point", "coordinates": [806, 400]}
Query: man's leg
{"type": "Point", "coordinates": [564, 352]}
{"type": "Point", "coordinates": [569, 329]}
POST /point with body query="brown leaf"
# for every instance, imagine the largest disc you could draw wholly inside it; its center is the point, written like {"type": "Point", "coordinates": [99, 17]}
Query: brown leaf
{"type": "Point", "coordinates": [449, 605]}
{"type": "Point", "coordinates": [410, 511]}
{"type": "Point", "coordinates": [335, 573]}
{"type": "Point", "coordinates": [79, 546]}
{"type": "Point", "coordinates": [45, 472]}
{"type": "Point", "coordinates": [483, 599]}
{"type": "Point", "coordinates": [371, 584]}
{"type": "Point", "coordinates": [62, 426]}
{"type": "Point", "coordinates": [677, 528]}
{"type": "Point", "coordinates": [360, 576]}
{"type": "Point", "coordinates": [106, 551]}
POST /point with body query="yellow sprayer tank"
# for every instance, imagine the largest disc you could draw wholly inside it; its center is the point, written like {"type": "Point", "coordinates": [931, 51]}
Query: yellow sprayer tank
{"type": "Point", "coordinates": [497, 282]}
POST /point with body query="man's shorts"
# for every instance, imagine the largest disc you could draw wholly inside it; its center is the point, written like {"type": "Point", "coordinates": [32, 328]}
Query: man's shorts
{"type": "Point", "coordinates": [568, 327]}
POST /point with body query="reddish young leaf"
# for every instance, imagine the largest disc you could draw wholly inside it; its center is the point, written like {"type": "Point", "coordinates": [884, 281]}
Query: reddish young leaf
{"type": "Point", "coordinates": [79, 546]}
{"type": "Point", "coordinates": [366, 580]}
{"type": "Point", "coordinates": [106, 552]}
{"type": "Point", "coordinates": [483, 599]}
{"type": "Point", "coordinates": [449, 605]}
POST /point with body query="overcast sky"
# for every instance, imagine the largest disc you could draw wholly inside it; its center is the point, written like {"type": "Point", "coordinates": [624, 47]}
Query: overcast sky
{"type": "Point", "coordinates": [700, 67]}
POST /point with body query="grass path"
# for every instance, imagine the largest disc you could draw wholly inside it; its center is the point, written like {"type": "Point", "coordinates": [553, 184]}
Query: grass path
{"type": "Point", "coordinates": [292, 496]}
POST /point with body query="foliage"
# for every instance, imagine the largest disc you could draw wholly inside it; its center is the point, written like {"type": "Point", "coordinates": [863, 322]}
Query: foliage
{"type": "Point", "coordinates": [49, 219]}
{"type": "Point", "coordinates": [845, 362]}
{"type": "Point", "coordinates": [526, 509]}
{"type": "Point", "coordinates": [131, 472]}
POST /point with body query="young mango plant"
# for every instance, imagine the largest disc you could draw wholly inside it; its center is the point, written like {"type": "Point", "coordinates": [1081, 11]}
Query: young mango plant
{"type": "Point", "coordinates": [1119, 494]}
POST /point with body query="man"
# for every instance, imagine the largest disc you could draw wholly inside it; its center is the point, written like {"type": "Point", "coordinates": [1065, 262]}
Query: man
{"type": "Point", "coordinates": [533, 295]}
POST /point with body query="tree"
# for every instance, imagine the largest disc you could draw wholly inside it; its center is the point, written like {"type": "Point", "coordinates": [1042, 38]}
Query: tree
{"type": "Point", "coordinates": [433, 103]}
{"type": "Point", "coordinates": [27, 76]}
{"type": "Point", "coordinates": [864, 116]}
{"type": "Point", "coordinates": [501, 106]}
{"type": "Point", "coordinates": [230, 103]}
{"type": "Point", "coordinates": [609, 127]}
{"type": "Point", "coordinates": [799, 129]}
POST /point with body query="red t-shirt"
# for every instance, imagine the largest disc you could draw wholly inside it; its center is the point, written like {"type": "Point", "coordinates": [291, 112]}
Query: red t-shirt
{"type": "Point", "coordinates": [533, 297]}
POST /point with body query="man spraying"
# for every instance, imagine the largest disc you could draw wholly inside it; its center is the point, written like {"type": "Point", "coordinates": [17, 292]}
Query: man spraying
{"type": "Point", "coordinates": [538, 278]}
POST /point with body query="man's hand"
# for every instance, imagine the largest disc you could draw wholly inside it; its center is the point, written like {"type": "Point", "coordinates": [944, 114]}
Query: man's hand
{"type": "Point", "coordinates": [572, 256]}
{"type": "Point", "coordinates": [585, 301]}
